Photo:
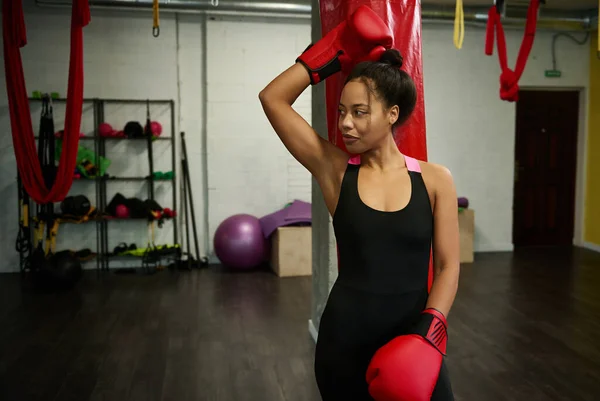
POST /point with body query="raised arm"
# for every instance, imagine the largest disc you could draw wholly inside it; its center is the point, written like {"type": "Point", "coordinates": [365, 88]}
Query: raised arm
{"type": "Point", "coordinates": [364, 36]}
{"type": "Point", "coordinates": [312, 151]}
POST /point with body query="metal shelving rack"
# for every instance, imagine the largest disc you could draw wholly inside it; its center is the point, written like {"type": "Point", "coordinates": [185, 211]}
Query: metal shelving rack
{"type": "Point", "coordinates": [106, 254]}
{"type": "Point", "coordinates": [103, 253]}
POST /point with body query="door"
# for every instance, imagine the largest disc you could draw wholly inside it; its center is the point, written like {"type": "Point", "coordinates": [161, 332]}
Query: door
{"type": "Point", "coordinates": [545, 168]}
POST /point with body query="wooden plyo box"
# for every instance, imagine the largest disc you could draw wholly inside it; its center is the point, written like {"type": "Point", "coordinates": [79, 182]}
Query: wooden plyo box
{"type": "Point", "coordinates": [466, 226]}
{"type": "Point", "coordinates": [291, 251]}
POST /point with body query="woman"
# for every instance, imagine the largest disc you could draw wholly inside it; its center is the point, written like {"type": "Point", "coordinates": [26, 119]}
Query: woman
{"type": "Point", "coordinates": [388, 213]}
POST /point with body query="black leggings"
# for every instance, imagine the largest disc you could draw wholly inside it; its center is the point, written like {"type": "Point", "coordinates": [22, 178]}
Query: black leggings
{"type": "Point", "coordinates": [354, 325]}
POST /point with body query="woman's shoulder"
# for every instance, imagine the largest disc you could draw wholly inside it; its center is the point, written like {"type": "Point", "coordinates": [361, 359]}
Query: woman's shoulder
{"type": "Point", "coordinates": [436, 176]}
{"type": "Point", "coordinates": [434, 169]}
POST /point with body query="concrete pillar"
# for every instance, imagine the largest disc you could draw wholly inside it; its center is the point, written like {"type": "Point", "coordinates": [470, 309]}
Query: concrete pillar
{"type": "Point", "coordinates": [324, 253]}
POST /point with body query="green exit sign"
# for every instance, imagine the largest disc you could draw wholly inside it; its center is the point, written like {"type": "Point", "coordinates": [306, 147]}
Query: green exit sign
{"type": "Point", "coordinates": [552, 74]}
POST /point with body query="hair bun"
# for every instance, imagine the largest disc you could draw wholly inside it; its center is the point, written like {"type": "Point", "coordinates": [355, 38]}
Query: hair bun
{"type": "Point", "coordinates": [392, 57]}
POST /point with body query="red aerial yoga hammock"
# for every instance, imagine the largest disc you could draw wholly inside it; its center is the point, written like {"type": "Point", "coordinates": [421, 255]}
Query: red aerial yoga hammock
{"type": "Point", "coordinates": [509, 79]}
{"type": "Point", "coordinates": [28, 165]}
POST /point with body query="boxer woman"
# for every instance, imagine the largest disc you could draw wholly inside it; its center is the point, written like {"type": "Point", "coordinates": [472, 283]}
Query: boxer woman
{"type": "Point", "coordinates": [381, 320]}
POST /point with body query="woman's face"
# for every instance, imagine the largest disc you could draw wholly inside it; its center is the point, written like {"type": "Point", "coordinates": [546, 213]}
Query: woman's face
{"type": "Point", "coordinates": [363, 119]}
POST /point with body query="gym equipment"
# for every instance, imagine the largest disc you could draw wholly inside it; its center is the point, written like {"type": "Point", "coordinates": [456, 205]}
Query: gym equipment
{"type": "Point", "coordinates": [404, 18]}
{"type": "Point", "coordinates": [122, 212]}
{"type": "Point", "coordinates": [23, 244]}
{"type": "Point", "coordinates": [76, 206]}
{"type": "Point", "coordinates": [155, 128]}
{"type": "Point", "coordinates": [133, 129]}
{"type": "Point", "coordinates": [38, 95]}
{"type": "Point", "coordinates": [295, 213]}
{"type": "Point", "coordinates": [93, 162]}
{"type": "Point", "coordinates": [14, 34]}
{"type": "Point", "coordinates": [239, 242]}
{"type": "Point", "coordinates": [86, 160]}
{"type": "Point", "coordinates": [106, 130]}
{"type": "Point", "coordinates": [509, 79]}
{"type": "Point", "coordinates": [155, 22]}
{"type": "Point", "coordinates": [168, 213]}
{"type": "Point", "coordinates": [459, 25]}
{"type": "Point", "coordinates": [50, 270]}
{"type": "Point", "coordinates": [46, 142]}
{"type": "Point", "coordinates": [362, 36]}
{"type": "Point", "coordinates": [407, 367]}
{"type": "Point", "coordinates": [60, 134]}
{"type": "Point", "coordinates": [463, 202]}
{"type": "Point", "coordinates": [188, 202]}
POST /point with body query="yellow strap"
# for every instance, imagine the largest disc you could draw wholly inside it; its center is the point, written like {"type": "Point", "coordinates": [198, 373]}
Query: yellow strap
{"type": "Point", "coordinates": [38, 232]}
{"type": "Point", "coordinates": [155, 26]}
{"type": "Point", "coordinates": [25, 213]}
{"type": "Point", "coordinates": [51, 242]}
{"type": "Point", "coordinates": [459, 25]}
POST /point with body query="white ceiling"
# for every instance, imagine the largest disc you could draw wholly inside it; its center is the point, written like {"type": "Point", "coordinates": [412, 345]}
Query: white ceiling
{"type": "Point", "coordinates": [561, 4]}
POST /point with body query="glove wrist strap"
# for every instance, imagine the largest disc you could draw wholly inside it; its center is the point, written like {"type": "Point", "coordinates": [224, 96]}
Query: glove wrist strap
{"type": "Point", "coordinates": [320, 66]}
{"type": "Point", "coordinates": [432, 327]}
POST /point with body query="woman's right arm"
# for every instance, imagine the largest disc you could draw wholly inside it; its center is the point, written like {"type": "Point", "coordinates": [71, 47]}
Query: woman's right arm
{"type": "Point", "coordinates": [323, 159]}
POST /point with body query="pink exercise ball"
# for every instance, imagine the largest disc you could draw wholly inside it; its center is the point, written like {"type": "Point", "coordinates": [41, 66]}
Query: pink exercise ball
{"type": "Point", "coordinates": [122, 211]}
{"type": "Point", "coordinates": [155, 128]}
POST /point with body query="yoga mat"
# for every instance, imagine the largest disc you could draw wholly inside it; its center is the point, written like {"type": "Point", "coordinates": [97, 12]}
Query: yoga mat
{"type": "Point", "coordinates": [404, 19]}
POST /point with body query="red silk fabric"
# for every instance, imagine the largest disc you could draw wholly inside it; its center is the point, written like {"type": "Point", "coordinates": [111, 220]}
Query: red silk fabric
{"type": "Point", "coordinates": [15, 37]}
{"type": "Point", "coordinates": [509, 79]}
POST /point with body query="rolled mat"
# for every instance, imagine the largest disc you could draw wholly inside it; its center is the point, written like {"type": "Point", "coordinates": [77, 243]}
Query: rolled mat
{"type": "Point", "coordinates": [404, 19]}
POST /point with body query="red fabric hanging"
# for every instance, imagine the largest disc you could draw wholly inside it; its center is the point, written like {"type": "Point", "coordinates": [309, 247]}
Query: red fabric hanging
{"type": "Point", "coordinates": [509, 79]}
{"type": "Point", "coordinates": [15, 37]}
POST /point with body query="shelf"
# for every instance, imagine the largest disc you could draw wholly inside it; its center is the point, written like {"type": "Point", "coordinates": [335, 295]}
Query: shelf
{"type": "Point", "coordinates": [136, 219]}
{"type": "Point", "coordinates": [118, 138]}
{"type": "Point", "coordinates": [124, 138]}
{"type": "Point", "coordinates": [126, 101]}
{"type": "Point", "coordinates": [109, 218]}
{"type": "Point", "coordinates": [136, 179]}
{"type": "Point", "coordinates": [160, 253]}
{"type": "Point", "coordinates": [99, 148]}
{"type": "Point", "coordinates": [125, 179]}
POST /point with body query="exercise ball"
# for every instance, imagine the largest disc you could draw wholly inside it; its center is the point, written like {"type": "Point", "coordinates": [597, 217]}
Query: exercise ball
{"type": "Point", "coordinates": [239, 242]}
{"type": "Point", "coordinates": [156, 128]}
{"type": "Point", "coordinates": [122, 212]}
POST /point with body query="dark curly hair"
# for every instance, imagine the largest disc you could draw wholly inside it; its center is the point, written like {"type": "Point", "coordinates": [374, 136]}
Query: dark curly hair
{"type": "Point", "coordinates": [389, 83]}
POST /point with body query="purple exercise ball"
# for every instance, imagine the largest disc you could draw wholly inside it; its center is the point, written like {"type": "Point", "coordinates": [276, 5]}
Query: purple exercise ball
{"type": "Point", "coordinates": [239, 242]}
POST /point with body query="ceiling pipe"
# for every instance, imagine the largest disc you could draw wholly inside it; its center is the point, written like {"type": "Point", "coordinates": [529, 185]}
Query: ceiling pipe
{"type": "Point", "coordinates": [515, 16]}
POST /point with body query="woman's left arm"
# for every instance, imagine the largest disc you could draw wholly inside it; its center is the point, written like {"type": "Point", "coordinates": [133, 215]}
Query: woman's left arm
{"type": "Point", "coordinates": [446, 244]}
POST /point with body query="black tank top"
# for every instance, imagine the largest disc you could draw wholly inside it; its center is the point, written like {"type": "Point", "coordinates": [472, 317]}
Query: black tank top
{"type": "Point", "coordinates": [383, 252]}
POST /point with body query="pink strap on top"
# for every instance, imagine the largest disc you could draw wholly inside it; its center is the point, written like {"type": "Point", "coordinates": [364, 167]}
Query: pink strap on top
{"type": "Point", "coordinates": [412, 164]}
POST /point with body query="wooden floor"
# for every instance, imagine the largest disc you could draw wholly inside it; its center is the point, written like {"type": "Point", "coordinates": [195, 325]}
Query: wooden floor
{"type": "Point", "coordinates": [524, 327]}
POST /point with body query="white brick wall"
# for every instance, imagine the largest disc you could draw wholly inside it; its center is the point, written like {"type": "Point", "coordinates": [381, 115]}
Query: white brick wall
{"type": "Point", "coordinates": [249, 169]}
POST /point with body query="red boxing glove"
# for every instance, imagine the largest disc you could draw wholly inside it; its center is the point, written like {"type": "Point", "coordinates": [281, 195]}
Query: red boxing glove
{"type": "Point", "coordinates": [362, 37]}
{"type": "Point", "coordinates": [407, 368]}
